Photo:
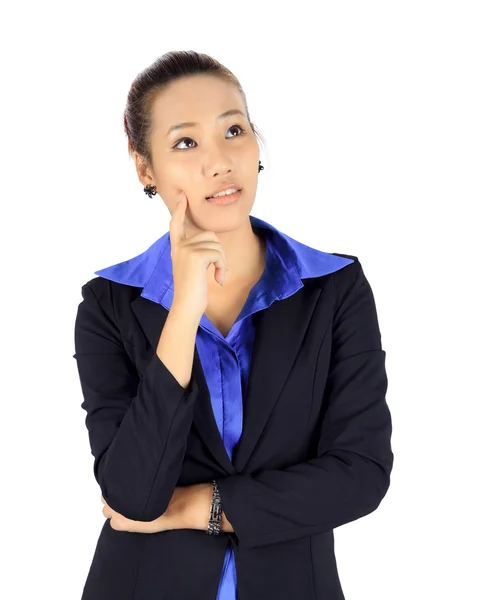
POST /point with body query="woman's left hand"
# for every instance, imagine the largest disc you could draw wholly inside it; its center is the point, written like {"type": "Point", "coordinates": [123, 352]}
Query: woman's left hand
{"type": "Point", "coordinates": [121, 523]}
{"type": "Point", "coordinates": [188, 509]}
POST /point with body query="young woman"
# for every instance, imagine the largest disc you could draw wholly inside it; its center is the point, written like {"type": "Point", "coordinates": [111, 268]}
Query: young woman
{"type": "Point", "coordinates": [233, 378]}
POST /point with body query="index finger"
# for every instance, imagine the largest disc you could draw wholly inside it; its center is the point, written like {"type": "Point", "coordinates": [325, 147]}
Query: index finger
{"type": "Point", "coordinates": [177, 223]}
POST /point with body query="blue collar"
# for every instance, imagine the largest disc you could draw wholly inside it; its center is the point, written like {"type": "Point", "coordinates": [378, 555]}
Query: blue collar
{"type": "Point", "coordinates": [288, 262]}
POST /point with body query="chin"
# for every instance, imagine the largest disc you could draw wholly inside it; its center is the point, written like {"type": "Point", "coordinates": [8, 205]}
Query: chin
{"type": "Point", "coordinates": [222, 219]}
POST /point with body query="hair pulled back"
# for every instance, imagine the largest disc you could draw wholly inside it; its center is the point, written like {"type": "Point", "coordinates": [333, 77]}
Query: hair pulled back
{"type": "Point", "coordinates": [137, 118]}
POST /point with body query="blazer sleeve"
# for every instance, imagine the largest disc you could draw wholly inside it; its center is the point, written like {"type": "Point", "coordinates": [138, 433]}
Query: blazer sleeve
{"type": "Point", "coordinates": [137, 427]}
{"type": "Point", "coordinates": [350, 473]}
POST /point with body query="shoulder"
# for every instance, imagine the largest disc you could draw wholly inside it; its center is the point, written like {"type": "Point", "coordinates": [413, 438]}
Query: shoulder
{"type": "Point", "coordinates": [349, 272]}
{"type": "Point", "coordinates": [109, 294]}
{"type": "Point", "coordinates": [354, 303]}
{"type": "Point", "coordinates": [344, 275]}
{"type": "Point", "coordinates": [350, 282]}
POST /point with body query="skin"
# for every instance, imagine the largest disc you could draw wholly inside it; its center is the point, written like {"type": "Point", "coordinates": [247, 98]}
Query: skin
{"type": "Point", "coordinates": [189, 508]}
{"type": "Point", "coordinates": [214, 152]}
{"type": "Point", "coordinates": [205, 157]}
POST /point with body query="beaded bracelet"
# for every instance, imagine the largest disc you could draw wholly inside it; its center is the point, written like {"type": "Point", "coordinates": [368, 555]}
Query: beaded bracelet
{"type": "Point", "coordinates": [215, 512]}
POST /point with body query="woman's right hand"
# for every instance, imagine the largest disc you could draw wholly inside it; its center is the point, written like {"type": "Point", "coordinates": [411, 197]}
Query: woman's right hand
{"type": "Point", "coordinates": [191, 258]}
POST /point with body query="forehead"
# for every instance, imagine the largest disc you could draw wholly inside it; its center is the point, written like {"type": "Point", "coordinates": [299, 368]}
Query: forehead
{"type": "Point", "coordinates": [199, 98]}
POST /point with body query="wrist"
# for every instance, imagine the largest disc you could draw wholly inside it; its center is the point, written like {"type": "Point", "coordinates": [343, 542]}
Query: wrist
{"type": "Point", "coordinates": [214, 523]}
{"type": "Point", "coordinates": [184, 315]}
{"type": "Point", "coordinates": [202, 507]}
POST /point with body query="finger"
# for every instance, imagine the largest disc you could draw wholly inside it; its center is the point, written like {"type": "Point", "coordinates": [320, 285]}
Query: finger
{"type": "Point", "coordinates": [177, 223]}
{"type": "Point", "coordinates": [220, 274]}
{"type": "Point", "coordinates": [103, 500]}
{"type": "Point", "coordinates": [114, 524]}
{"type": "Point", "coordinates": [121, 523]}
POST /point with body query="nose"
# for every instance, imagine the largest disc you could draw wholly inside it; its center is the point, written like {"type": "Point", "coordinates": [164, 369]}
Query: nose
{"type": "Point", "coordinates": [218, 165]}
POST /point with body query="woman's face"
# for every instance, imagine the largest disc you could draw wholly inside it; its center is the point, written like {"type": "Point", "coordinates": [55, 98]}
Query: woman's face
{"type": "Point", "coordinates": [197, 159]}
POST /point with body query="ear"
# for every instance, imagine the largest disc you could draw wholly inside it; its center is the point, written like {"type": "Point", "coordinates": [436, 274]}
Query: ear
{"type": "Point", "coordinates": [142, 170]}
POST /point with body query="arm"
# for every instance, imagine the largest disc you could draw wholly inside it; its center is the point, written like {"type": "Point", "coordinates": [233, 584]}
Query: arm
{"type": "Point", "coordinates": [350, 473]}
{"type": "Point", "coordinates": [189, 508]}
{"type": "Point", "coordinates": [137, 428]}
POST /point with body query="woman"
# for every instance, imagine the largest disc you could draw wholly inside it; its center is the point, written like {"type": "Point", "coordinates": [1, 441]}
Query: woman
{"type": "Point", "coordinates": [233, 378]}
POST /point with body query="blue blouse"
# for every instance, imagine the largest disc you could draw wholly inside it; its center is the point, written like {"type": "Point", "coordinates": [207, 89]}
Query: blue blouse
{"type": "Point", "coordinates": [226, 360]}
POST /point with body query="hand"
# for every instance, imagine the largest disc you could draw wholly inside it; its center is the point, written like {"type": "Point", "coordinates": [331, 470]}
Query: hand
{"type": "Point", "coordinates": [191, 258]}
{"type": "Point", "coordinates": [188, 509]}
{"type": "Point", "coordinates": [121, 523]}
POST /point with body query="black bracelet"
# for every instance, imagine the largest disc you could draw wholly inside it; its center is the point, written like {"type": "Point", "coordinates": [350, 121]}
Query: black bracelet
{"type": "Point", "coordinates": [214, 524]}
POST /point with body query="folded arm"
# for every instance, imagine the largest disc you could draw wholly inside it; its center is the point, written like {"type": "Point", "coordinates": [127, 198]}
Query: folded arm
{"type": "Point", "coordinates": [350, 473]}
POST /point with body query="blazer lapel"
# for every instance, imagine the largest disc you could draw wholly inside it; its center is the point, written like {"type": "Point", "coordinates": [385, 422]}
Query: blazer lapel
{"type": "Point", "coordinates": [279, 332]}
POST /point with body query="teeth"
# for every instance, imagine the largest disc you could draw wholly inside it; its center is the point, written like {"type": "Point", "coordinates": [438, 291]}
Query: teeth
{"type": "Point", "coordinates": [225, 193]}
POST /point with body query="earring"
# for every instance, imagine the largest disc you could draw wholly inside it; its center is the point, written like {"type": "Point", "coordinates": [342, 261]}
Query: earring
{"type": "Point", "coordinates": [150, 190]}
{"type": "Point", "coordinates": [260, 168]}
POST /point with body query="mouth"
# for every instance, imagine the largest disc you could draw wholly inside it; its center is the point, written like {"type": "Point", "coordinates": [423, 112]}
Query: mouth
{"type": "Point", "coordinates": [224, 200]}
{"type": "Point", "coordinates": [234, 188]}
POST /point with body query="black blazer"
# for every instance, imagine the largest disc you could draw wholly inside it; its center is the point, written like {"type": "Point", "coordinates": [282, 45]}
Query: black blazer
{"type": "Point", "coordinates": [315, 452]}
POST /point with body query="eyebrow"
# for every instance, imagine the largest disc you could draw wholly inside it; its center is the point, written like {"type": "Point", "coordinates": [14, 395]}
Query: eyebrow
{"type": "Point", "coordinates": [228, 113]}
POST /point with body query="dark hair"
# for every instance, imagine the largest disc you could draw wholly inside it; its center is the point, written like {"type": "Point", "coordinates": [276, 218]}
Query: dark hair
{"type": "Point", "coordinates": [151, 81]}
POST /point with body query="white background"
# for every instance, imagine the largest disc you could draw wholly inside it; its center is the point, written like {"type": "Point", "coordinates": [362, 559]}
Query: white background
{"type": "Point", "coordinates": [370, 113]}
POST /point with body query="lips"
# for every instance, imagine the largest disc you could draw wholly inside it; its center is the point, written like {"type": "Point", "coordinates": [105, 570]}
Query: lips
{"type": "Point", "coordinates": [223, 188]}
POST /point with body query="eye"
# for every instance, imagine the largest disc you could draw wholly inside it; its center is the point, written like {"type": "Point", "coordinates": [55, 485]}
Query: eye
{"type": "Point", "coordinates": [242, 131]}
